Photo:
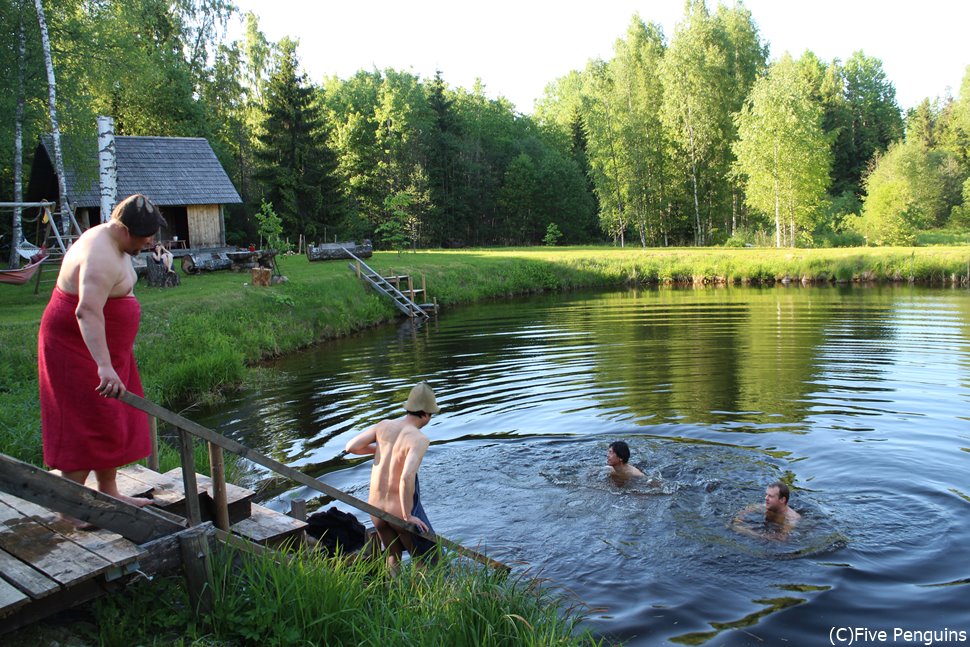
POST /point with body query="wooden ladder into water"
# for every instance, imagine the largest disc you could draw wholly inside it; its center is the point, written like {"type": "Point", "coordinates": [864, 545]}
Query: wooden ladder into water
{"type": "Point", "coordinates": [390, 286]}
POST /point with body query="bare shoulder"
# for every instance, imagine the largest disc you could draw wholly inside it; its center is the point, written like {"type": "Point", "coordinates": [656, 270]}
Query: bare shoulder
{"type": "Point", "coordinates": [387, 430]}
{"type": "Point", "coordinates": [94, 260]}
{"type": "Point", "coordinates": [410, 439]}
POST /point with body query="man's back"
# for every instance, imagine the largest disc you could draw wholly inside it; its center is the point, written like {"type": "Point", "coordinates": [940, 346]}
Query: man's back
{"type": "Point", "coordinates": [400, 448]}
{"type": "Point", "coordinates": [102, 260]}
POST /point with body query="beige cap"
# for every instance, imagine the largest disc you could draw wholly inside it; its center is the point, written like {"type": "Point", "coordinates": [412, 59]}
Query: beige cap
{"type": "Point", "coordinates": [421, 398]}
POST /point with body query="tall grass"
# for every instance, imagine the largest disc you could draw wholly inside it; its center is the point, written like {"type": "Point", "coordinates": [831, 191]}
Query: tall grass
{"type": "Point", "coordinates": [943, 237]}
{"type": "Point", "coordinates": [310, 599]}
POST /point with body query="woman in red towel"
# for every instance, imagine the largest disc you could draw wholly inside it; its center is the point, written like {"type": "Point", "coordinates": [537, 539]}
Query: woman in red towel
{"type": "Point", "coordinates": [85, 352]}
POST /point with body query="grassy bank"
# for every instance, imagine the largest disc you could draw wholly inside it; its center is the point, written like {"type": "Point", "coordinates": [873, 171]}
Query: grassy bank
{"type": "Point", "coordinates": [311, 599]}
{"type": "Point", "coordinates": [199, 339]}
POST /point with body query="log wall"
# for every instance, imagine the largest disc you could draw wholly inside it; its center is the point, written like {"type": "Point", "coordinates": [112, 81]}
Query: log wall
{"type": "Point", "coordinates": [205, 225]}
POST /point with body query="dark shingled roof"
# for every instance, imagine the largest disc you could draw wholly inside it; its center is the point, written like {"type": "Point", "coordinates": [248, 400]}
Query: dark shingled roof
{"type": "Point", "coordinates": [169, 170]}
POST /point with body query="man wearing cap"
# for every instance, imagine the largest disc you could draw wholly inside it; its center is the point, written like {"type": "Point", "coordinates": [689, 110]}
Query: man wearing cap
{"type": "Point", "coordinates": [398, 447]}
{"type": "Point", "coordinates": [85, 352]}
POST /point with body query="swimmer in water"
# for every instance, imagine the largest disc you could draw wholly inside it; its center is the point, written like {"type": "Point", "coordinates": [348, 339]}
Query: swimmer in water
{"type": "Point", "coordinates": [618, 457]}
{"type": "Point", "coordinates": [780, 519]}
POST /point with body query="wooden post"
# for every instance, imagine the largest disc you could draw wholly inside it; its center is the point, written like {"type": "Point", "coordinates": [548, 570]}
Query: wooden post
{"type": "Point", "coordinates": [424, 287]}
{"type": "Point", "coordinates": [193, 512]}
{"type": "Point", "coordinates": [153, 457]}
{"type": "Point", "coordinates": [298, 509]}
{"type": "Point", "coordinates": [357, 264]}
{"type": "Point", "coordinates": [40, 270]}
{"type": "Point", "coordinates": [217, 470]}
{"type": "Point", "coordinates": [197, 564]}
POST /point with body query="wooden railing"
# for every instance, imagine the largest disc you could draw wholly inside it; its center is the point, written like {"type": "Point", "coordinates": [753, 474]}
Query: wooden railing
{"type": "Point", "coordinates": [217, 443]}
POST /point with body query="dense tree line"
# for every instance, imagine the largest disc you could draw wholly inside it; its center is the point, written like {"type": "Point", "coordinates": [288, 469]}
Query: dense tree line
{"type": "Point", "coordinates": [699, 139]}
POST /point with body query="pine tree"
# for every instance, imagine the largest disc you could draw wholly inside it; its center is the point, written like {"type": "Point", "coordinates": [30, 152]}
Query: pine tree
{"type": "Point", "coordinates": [444, 166]}
{"type": "Point", "coordinates": [297, 167]}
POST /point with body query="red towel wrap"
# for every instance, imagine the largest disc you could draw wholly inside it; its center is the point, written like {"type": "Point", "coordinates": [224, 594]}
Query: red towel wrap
{"type": "Point", "coordinates": [81, 429]}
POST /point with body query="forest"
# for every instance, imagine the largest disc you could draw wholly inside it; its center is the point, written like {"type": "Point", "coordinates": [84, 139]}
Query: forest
{"type": "Point", "coordinates": [700, 137]}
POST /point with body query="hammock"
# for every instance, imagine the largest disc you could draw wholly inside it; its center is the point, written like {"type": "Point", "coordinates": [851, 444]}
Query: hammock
{"type": "Point", "coordinates": [24, 274]}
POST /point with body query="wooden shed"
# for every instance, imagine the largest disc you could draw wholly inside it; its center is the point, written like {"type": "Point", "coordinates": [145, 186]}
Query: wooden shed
{"type": "Point", "coordinates": [179, 174]}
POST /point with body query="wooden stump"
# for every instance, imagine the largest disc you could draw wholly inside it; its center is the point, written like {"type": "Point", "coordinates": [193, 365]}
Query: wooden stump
{"type": "Point", "coordinates": [158, 277]}
{"type": "Point", "coordinates": [261, 276]}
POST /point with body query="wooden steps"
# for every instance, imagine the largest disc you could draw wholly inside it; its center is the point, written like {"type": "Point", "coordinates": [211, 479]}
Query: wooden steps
{"type": "Point", "coordinates": [399, 288]}
{"type": "Point", "coordinates": [268, 527]}
{"type": "Point", "coordinates": [247, 519]}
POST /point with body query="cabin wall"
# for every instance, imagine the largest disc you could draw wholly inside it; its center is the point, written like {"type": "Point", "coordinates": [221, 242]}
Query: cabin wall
{"type": "Point", "coordinates": [205, 225]}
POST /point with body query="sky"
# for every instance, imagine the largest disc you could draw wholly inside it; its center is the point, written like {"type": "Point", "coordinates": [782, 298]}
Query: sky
{"type": "Point", "coordinates": [518, 47]}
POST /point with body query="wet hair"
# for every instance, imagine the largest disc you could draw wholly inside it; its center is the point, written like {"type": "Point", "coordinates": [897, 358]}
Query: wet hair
{"type": "Point", "coordinates": [621, 449]}
{"type": "Point", "coordinates": [419, 414]}
{"type": "Point", "coordinates": [139, 215]}
{"type": "Point", "coordinates": [783, 491]}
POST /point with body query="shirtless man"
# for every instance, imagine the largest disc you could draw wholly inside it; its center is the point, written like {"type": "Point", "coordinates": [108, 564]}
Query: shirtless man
{"type": "Point", "coordinates": [618, 457]}
{"type": "Point", "coordinates": [85, 358]}
{"type": "Point", "coordinates": [780, 519]}
{"type": "Point", "coordinates": [398, 447]}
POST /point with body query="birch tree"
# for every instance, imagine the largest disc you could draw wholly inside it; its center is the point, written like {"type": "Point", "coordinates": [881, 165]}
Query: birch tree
{"type": "Point", "coordinates": [18, 153]}
{"type": "Point", "coordinates": [607, 159]}
{"type": "Point", "coordinates": [746, 61]}
{"type": "Point", "coordinates": [55, 124]}
{"type": "Point", "coordinates": [639, 91]}
{"type": "Point", "coordinates": [694, 72]}
{"type": "Point", "coordinates": [782, 152]}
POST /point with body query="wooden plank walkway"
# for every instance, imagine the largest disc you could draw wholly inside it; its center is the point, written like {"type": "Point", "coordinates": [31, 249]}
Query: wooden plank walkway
{"type": "Point", "coordinates": [41, 554]}
{"type": "Point", "coordinates": [48, 564]}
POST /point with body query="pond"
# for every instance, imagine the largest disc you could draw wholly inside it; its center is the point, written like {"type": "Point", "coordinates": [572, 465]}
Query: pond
{"type": "Point", "coordinates": [857, 396]}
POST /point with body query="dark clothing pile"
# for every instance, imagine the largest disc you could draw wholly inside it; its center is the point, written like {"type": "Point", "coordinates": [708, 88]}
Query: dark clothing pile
{"type": "Point", "coordinates": [333, 529]}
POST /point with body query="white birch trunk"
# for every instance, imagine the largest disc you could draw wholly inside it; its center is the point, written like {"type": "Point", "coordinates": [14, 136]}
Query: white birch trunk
{"type": "Point", "coordinates": [777, 199]}
{"type": "Point", "coordinates": [107, 166]}
{"type": "Point", "coordinates": [18, 145]}
{"type": "Point", "coordinates": [55, 125]}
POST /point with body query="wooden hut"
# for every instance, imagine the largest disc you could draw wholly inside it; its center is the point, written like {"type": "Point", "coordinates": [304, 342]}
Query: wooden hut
{"type": "Point", "coordinates": [179, 174]}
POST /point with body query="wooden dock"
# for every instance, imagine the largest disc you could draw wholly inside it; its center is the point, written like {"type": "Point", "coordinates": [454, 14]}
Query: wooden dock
{"type": "Point", "coordinates": [46, 561]}
{"type": "Point", "coordinates": [47, 564]}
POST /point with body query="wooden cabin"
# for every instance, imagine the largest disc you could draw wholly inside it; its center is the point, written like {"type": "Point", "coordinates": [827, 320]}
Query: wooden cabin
{"type": "Point", "coordinates": [179, 174]}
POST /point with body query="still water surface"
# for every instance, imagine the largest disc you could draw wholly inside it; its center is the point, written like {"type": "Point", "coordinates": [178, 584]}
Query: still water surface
{"type": "Point", "coordinates": [857, 396]}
